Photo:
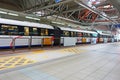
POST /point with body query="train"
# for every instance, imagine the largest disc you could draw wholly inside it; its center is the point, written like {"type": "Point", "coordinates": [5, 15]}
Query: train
{"type": "Point", "coordinates": [22, 34]}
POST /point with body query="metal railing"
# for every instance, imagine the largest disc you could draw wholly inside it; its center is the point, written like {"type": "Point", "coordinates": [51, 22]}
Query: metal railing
{"type": "Point", "coordinates": [30, 42]}
{"type": "Point", "coordinates": [12, 44]}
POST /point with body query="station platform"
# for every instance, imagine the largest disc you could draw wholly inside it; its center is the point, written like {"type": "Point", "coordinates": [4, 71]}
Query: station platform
{"type": "Point", "coordinates": [87, 62]}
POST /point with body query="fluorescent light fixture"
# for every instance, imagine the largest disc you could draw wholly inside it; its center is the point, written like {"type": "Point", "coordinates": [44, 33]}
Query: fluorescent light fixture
{"type": "Point", "coordinates": [107, 6]}
{"type": "Point", "coordinates": [28, 17]}
{"type": "Point", "coordinates": [3, 12]}
{"type": "Point", "coordinates": [36, 19]}
{"type": "Point", "coordinates": [32, 18]}
{"type": "Point", "coordinates": [58, 23]}
{"type": "Point", "coordinates": [13, 14]}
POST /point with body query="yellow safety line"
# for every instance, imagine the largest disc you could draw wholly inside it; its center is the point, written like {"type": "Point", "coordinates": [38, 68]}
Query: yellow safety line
{"type": "Point", "coordinates": [37, 51]}
{"type": "Point", "coordinates": [16, 60]}
{"type": "Point", "coordinates": [73, 50]}
{"type": "Point", "coordinates": [45, 56]}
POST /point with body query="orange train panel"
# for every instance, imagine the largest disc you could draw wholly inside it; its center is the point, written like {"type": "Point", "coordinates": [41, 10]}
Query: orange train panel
{"type": "Point", "coordinates": [83, 40]}
{"type": "Point", "coordinates": [47, 41]}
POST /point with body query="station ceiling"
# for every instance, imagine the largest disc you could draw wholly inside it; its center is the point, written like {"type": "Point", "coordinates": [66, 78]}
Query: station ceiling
{"type": "Point", "coordinates": [76, 10]}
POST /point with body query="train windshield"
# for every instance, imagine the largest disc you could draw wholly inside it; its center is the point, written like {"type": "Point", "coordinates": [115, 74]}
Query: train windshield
{"type": "Point", "coordinates": [94, 35]}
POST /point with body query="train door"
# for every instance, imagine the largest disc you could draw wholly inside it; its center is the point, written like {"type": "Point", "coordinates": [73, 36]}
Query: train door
{"type": "Point", "coordinates": [57, 35]}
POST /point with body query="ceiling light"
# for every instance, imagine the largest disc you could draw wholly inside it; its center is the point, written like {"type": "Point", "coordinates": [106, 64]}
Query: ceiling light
{"type": "Point", "coordinates": [37, 19]}
{"type": "Point", "coordinates": [107, 6]}
{"type": "Point", "coordinates": [3, 12]}
{"type": "Point", "coordinates": [32, 18]}
{"type": "Point", "coordinates": [13, 14]}
{"type": "Point", "coordinates": [58, 23]}
{"type": "Point", "coordinates": [29, 17]}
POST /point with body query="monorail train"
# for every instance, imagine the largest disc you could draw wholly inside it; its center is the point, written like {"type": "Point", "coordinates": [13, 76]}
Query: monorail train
{"type": "Point", "coordinates": [28, 33]}
{"type": "Point", "coordinates": [105, 38]}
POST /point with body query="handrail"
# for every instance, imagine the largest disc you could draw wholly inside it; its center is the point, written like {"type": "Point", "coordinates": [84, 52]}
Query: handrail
{"type": "Point", "coordinates": [12, 44]}
{"type": "Point", "coordinates": [6, 37]}
{"type": "Point", "coordinates": [30, 39]}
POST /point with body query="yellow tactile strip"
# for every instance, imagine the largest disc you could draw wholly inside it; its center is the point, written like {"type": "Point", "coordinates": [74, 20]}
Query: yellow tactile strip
{"type": "Point", "coordinates": [14, 61]}
{"type": "Point", "coordinates": [37, 51]}
{"type": "Point", "coordinates": [73, 50]}
{"type": "Point", "coordinates": [20, 60]}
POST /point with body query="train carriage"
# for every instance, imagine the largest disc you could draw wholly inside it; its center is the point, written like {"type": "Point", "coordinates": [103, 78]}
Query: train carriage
{"type": "Point", "coordinates": [23, 34]}
{"type": "Point", "coordinates": [80, 36]}
{"type": "Point", "coordinates": [105, 38]}
{"type": "Point", "coordinates": [22, 31]}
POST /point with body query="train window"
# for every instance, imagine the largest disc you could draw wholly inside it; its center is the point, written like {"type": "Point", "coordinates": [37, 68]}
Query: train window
{"type": "Point", "coordinates": [104, 36]}
{"type": "Point", "coordinates": [89, 35]}
{"type": "Point", "coordinates": [85, 34]}
{"type": "Point", "coordinates": [9, 30]}
{"type": "Point", "coordinates": [66, 33]}
{"type": "Point", "coordinates": [51, 32]}
{"type": "Point", "coordinates": [39, 31]}
{"type": "Point", "coordinates": [101, 36]}
{"type": "Point", "coordinates": [0, 31]}
{"type": "Point", "coordinates": [44, 32]}
{"type": "Point", "coordinates": [72, 34]}
{"type": "Point", "coordinates": [21, 30]}
{"type": "Point", "coordinates": [94, 35]}
{"type": "Point", "coordinates": [30, 31]}
{"type": "Point", "coordinates": [79, 34]}
{"type": "Point", "coordinates": [62, 34]}
{"type": "Point", "coordinates": [33, 31]}
{"type": "Point", "coordinates": [26, 31]}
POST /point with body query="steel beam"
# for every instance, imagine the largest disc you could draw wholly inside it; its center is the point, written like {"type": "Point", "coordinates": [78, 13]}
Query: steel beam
{"type": "Point", "coordinates": [64, 12]}
{"type": "Point", "coordinates": [48, 6]}
{"type": "Point", "coordinates": [102, 4]}
{"type": "Point", "coordinates": [94, 10]}
{"type": "Point", "coordinates": [71, 14]}
{"type": "Point", "coordinates": [76, 9]}
{"type": "Point", "coordinates": [116, 4]}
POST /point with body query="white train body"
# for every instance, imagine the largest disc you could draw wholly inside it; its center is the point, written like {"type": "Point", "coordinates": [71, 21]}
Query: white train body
{"type": "Point", "coordinates": [20, 41]}
{"type": "Point", "coordinates": [25, 34]}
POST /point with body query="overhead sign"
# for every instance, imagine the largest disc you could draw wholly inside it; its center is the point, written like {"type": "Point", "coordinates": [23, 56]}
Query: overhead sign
{"type": "Point", "coordinates": [57, 1]}
{"type": "Point", "coordinates": [117, 25]}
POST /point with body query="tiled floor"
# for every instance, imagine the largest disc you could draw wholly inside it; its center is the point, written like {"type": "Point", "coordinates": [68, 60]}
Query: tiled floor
{"type": "Point", "coordinates": [99, 62]}
{"type": "Point", "coordinates": [35, 56]}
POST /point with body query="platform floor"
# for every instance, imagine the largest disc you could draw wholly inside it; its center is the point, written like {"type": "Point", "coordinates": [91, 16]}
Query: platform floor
{"type": "Point", "coordinates": [90, 62]}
